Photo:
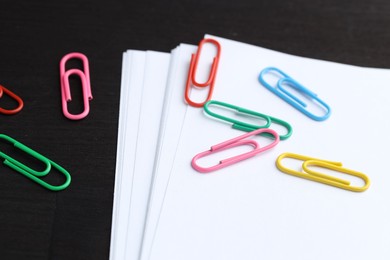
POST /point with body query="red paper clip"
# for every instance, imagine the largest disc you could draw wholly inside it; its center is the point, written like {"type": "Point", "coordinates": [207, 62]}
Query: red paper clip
{"type": "Point", "coordinates": [15, 97]}
{"type": "Point", "coordinates": [65, 88]}
{"type": "Point", "coordinates": [238, 141]}
{"type": "Point", "coordinates": [191, 79]}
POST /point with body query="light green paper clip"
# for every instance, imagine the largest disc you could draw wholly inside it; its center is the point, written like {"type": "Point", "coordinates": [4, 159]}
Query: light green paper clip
{"type": "Point", "coordinates": [246, 126]}
{"type": "Point", "coordinates": [30, 173]}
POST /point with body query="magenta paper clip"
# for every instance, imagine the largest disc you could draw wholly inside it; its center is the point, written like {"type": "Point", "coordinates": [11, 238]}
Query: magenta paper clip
{"type": "Point", "coordinates": [238, 141]}
{"type": "Point", "coordinates": [85, 82]}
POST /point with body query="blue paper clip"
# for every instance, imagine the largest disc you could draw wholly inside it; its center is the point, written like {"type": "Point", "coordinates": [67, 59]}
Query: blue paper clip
{"type": "Point", "coordinates": [280, 91]}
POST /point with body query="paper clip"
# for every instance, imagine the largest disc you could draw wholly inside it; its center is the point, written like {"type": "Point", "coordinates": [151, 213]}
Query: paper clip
{"type": "Point", "coordinates": [3, 90]}
{"type": "Point", "coordinates": [246, 126]}
{"type": "Point", "coordinates": [235, 142]}
{"type": "Point", "coordinates": [280, 91]}
{"type": "Point", "coordinates": [312, 175]}
{"type": "Point", "coordinates": [85, 82]}
{"type": "Point", "coordinates": [30, 173]}
{"type": "Point", "coordinates": [191, 78]}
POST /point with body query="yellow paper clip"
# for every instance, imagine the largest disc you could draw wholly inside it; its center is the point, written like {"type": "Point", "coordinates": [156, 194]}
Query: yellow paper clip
{"type": "Point", "coordinates": [312, 175]}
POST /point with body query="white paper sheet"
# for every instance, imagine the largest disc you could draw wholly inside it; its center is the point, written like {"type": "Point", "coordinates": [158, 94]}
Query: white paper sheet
{"type": "Point", "coordinates": [174, 112]}
{"type": "Point", "coordinates": [153, 92]}
{"type": "Point", "coordinates": [251, 210]}
{"type": "Point", "coordinates": [127, 140]}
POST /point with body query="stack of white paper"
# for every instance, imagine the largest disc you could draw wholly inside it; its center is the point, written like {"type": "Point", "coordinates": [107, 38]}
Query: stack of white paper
{"type": "Point", "coordinates": [164, 209]}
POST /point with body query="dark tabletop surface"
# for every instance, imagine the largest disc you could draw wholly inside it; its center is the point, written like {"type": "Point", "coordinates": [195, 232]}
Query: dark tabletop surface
{"type": "Point", "coordinates": [34, 35]}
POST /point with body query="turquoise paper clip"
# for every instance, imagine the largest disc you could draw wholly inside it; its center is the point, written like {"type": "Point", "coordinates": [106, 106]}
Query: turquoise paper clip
{"type": "Point", "coordinates": [246, 126]}
{"type": "Point", "coordinates": [30, 173]}
{"type": "Point", "coordinates": [280, 91]}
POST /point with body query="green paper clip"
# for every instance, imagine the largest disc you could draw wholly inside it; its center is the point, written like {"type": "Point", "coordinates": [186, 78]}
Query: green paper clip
{"type": "Point", "coordinates": [246, 126]}
{"type": "Point", "coordinates": [235, 122]}
{"type": "Point", "coordinates": [273, 120]}
{"type": "Point", "coordinates": [9, 160]}
{"type": "Point", "coordinates": [30, 173]}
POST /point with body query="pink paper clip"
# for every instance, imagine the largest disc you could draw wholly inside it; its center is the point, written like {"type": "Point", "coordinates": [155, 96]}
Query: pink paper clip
{"type": "Point", "coordinates": [238, 141]}
{"type": "Point", "coordinates": [191, 81]}
{"type": "Point", "coordinates": [85, 82]}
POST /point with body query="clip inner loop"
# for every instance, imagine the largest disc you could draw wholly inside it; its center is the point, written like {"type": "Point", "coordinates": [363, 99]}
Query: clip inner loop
{"type": "Point", "coordinates": [312, 175]}
{"type": "Point", "coordinates": [237, 141]}
{"type": "Point", "coordinates": [287, 96]}
{"type": "Point", "coordinates": [44, 184]}
{"type": "Point", "coordinates": [85, 84]}
{"type": "Point", "coordinates": [191, 78]}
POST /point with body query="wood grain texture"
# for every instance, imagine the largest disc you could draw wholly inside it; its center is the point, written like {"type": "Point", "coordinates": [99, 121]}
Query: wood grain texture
{"type": "Point", "coordinates": [34, 35]}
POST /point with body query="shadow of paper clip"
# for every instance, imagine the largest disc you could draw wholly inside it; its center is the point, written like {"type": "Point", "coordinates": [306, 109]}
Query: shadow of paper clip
{"type": "Point", "coordinates": [287, 96]}
{"type": "Point", "coordinates": [30, 173]}
{"type": "Point", "coordinates": [85, 84]}
{"type": "Point", "coordinates": [235, 142]}
{"type": "Point", "coordinates": [191, 78]}
{"type": "Point", "coordinates": [12, 95]}
{"type": "Point", "coordinates": [312, 175]}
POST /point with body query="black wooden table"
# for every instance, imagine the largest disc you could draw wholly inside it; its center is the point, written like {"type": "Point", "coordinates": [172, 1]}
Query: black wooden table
{"type": "Point", "coordinates": [34, 35]}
